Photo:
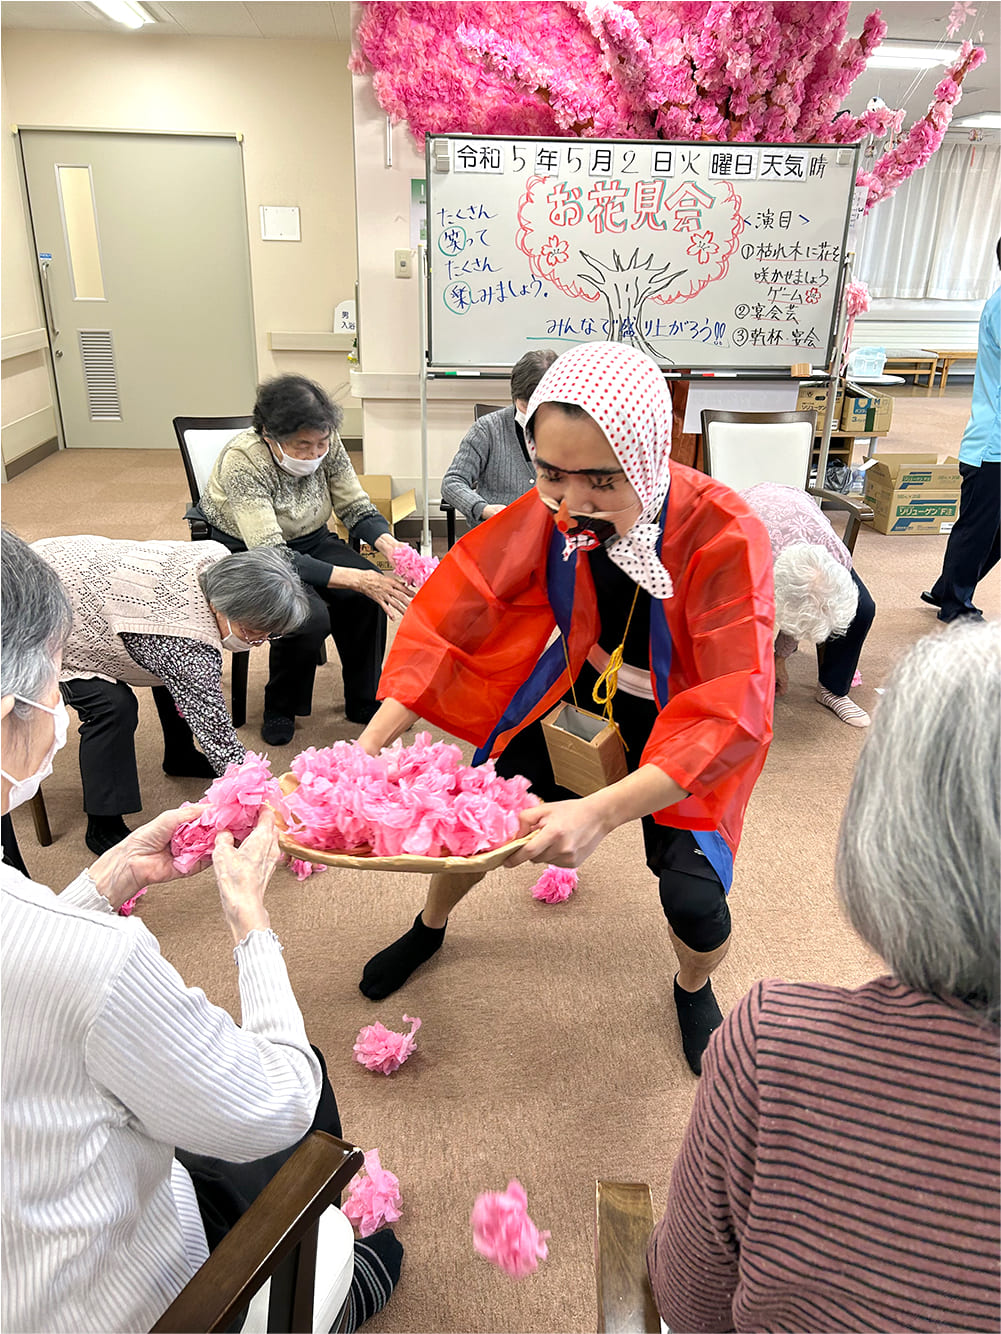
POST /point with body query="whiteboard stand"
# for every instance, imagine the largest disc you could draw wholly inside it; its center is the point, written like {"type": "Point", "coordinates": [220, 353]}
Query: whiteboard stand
{"type": "Point", "coordinates": [834, 371]}
{"type": "Point", "coordinates": [422, 302]}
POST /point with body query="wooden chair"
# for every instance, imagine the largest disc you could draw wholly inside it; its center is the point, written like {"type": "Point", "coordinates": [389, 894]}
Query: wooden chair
{"type": "Point", "coordinates": [201, 440]}
{"type": "Point", "coordinates": [275, 1239]}
{"type": "Point", "coordinates": [744, 448]}
{"type": "Point", "coordinates": [479, 410]}
{"type": "Point", "coordinates": [623, 1223]}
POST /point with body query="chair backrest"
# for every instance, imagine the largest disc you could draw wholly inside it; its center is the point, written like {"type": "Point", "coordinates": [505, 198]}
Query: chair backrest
{"type": "Point", "coordinates": [744, 448]}
{"type": "Point", "coordinates": [485, 409]}
{"type": "Point", "coordinates": [201, 440]}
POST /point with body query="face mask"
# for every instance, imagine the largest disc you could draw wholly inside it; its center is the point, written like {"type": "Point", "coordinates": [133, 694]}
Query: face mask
{"type": "Point", "coordinates": [521, 418]}
{"type": "Point", "coordinates": [233, 642]}
{"type": "Point", "coordinates": [298, 467]}
{"type": "Point", "coordinates": [23, 789]}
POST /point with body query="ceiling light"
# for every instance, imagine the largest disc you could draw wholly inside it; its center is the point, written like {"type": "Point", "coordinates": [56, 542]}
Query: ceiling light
{"type": "Point", "coordinates": [127, 12]}
{"type": "Point", "coordinates": [985, 120]}
{"type": "Point", "coordinates": [911, 55]}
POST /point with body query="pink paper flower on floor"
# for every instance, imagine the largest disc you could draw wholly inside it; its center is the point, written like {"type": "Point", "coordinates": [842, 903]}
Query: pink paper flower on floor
{"type": "Point", "coordinates": [413, 568]}
{"type": "Point", "coordinates": [303, 870]}
{"type": "Point", "coordinates": [857, 678]}
{"type": "Point", "coordinates": [129, 906]}
{"type": "Point", "coordinates": [379, 1048]}
{"type": "Point", "coordinates": [373, 1197]}
{"type": "Point", "coordinates": [232, 802]}
{"type": "Point", "coordinates": [555, 885]}
{"type": "Point", "coordinates": [504, 1234]}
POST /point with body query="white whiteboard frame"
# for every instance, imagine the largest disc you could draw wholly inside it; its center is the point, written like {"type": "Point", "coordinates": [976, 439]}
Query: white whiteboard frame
{"type": "Point", "coordinates": [765, 368]}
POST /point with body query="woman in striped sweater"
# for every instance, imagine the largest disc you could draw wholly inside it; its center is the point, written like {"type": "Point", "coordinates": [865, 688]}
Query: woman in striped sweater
{"type": "Point", "coordinates": [840, 1170]}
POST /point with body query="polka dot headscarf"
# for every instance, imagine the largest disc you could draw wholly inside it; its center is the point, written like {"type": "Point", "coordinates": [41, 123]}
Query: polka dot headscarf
{"type": "Point", "coordinates": [626, 394]}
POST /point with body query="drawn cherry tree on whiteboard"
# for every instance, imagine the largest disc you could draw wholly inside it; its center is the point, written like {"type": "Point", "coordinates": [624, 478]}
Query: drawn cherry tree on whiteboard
{"type": "Point", "coordinates": [605, 226]}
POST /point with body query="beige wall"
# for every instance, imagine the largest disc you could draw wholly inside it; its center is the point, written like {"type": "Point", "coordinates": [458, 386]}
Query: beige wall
{"type": "Point", "coordinates": [390, 343]}
{"type": "Point", "coordinates": [291, 101]}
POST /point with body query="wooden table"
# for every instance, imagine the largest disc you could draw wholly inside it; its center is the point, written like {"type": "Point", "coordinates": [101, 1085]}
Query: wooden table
{"type": "Point", "coordinates": [916, 362]}
{"type": "Point", "coordinates": [945, 357]}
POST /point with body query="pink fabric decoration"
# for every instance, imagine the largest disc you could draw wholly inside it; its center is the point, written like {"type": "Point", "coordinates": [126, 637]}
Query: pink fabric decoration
{"type": "Point", "coordinates": [232, 802]}
{"type": "Point", "coordinates": [379, 1048]}
{"type": "Point", "coordinates": [129, 906]}
{"type": "Point", "coordinates": [413, 568]}
{"type": "Point", "coordinates": [303, 870]}
{"type": "Point", "coordinates": [504, 1234]}
{"type": "Point", "coordinates": [555, 885]}
{"type": "Point", "coordinates": [418, 799]}
{"type": "Point", "coordinates": [857, 678]}
{"type": "Point", "coordinates": [373, 1197]}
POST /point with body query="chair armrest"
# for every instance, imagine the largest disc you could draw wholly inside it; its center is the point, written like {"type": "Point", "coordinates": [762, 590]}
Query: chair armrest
{"type": "Point", "coordinates": [201, 529]}
{"type": "Point", "coordinates": [622, 1227]}
{"type": "Point", "coordinates": [281, 1217]}
{"type": "Point", "coordinates": [839, 501]}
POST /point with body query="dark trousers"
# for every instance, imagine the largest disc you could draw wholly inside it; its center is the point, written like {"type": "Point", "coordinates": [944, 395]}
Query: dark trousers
{"type": "Point", "coordinates": [691, 894]}
{"type": "Point", "coordinates": [11, 852]}
{"type": "Point", "coordinates": [356, 624]}
{"type": "Point", "coordinates": [973, 546]}
{"type": "Point", "coordinates": [837, 659]}
{"type": "Point", "coordinates": [225, 1191]}
{"type": "Point", "coordinates": [109, 715]}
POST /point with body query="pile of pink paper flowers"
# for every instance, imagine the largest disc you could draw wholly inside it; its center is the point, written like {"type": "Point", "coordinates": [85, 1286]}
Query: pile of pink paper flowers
{"type": "Point", "coordinates": [419, 799]}
{"type": "Point", "coordinates": [413, 568]}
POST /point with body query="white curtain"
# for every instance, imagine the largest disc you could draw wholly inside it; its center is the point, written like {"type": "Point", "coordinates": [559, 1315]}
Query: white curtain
{"type": "Point", "coordinates": [936, 237]}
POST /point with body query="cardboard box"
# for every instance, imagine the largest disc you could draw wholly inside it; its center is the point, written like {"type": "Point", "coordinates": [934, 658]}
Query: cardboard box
{"type": "Point", "coordinates": [813, 398]}
{"type": "Point", "coordinates": [377, 558]}
{"type": "Point", "coordinates": [379, 489]}
{"type": "Point", "coordinates": [918, 512]}
{"type": "Point", "coordinates": [912, 472]}
{"type": "Point", "coordinates": [866, 414]}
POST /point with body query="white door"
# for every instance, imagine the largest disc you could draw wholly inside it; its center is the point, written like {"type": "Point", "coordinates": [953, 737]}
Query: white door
{"type": "Point", "coordinates": [144, 261]}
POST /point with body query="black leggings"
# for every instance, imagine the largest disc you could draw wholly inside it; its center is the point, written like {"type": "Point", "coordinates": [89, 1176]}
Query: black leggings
{"type": "Point", "coordinates": [691, 894]}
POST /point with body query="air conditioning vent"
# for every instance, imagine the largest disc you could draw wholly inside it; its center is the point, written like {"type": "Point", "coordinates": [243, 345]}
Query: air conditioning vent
{"type": "Point", "coordinates": [100, 375]}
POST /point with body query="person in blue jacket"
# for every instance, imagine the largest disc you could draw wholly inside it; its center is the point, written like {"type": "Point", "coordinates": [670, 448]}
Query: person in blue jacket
{"type": "Point", "coordinates": [972, 549]}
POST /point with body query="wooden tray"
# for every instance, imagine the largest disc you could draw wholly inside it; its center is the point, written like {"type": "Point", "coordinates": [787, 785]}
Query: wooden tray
{"type": "Point", "coordinates": [360, 861]}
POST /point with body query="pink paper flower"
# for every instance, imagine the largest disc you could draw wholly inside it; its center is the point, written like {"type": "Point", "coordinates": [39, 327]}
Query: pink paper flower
{"type": "Point", "coordinates": [232, 802]}
{"type": "Point", "coordinates": [303, 870]}
{"type": "Point", "coordinates": [373, 1197]}
{"type": "Point", "coordinates": [555, 885]}
{"type": "Point", "coordinates": [413, 568]}
{"type": "Point", "coordinates": [504, 1234]}
{"type": "Point", "coordinates": [379, 1048]}
{"type": "Point", "coordinates": [128, 907]}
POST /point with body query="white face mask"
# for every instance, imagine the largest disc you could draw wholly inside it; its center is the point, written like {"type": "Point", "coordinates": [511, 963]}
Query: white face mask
{"type": "Point", "coordinates": [23, 789]}
{"type": "Point", "coordinates": [520, 417]}
{"type": "Point", "coordinates": [233, 642]}
{"type": "Point", "coordinates": [298, 467]}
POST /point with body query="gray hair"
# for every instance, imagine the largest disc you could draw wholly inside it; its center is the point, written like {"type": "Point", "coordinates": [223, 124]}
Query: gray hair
{"type": "Point", "coordinates": [35, 621]}
{"type": "Point", "coordinates": [815, 596]}
{"type": "Point", "coordinates": [919, 852]}
{"type": "Point", "coordinates": [258, 588]}
{"type": "Point", "coordinates": [529, 371]}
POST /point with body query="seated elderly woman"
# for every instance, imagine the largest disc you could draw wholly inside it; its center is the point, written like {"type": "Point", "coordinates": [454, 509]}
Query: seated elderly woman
{"type": "Point", "coordinates": [159, 614]}
{"type": "Point", "coordinates": [840, 1170]}
{"type": "Point", "coordinates": [818, 595]}
{"type": "Point", "coordinates": [492, 466]}
{"type": "Point", "coordinates": [112, 1070]}
{"type": "Point", "coordinates": [277, 486]}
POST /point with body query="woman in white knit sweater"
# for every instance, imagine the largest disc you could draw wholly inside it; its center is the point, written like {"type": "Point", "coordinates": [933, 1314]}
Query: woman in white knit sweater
{"type": "Point", "coordinates": [108, 1060]}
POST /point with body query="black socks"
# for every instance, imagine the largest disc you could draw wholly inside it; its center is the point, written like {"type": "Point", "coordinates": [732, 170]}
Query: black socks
{"type": "Point", "coordinates": [277, 729]}
{"type": "Point", "coordinates": [104, 831]}
{"type": "Point", "coordinates": [378, 1260]}
{"type": "Point", "coordinates": [188, 763]}
{"type": "Point", "coordinates": [698, 1017]}
{"type": "Point", "coordinates": [390, 968]}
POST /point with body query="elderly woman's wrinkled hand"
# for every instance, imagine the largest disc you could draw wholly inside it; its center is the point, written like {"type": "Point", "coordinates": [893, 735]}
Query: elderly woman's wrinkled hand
{"type": "Point", "coordinates": [392, 594]}
{"type": "Point", "coordinates": [242, 874]}
{"type": "Point", "coordinates": [144, 858]}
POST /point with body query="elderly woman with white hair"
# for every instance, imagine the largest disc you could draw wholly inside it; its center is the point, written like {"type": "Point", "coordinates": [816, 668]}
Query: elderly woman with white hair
{"type": "Point", "coordinates": [160, 614]}
{"type": "Point", "coordinates": [841, 1167]}
{"type": "Point", "coordinates": [139, 1121]}
{"type": "Point", "coordinates": [818, 595]}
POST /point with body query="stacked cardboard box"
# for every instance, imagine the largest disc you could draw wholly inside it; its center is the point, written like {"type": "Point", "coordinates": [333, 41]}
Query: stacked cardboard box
{"type": "Point", "coordinates": [866, 414]}
{"type": "Point", "coordinates": [813, 397]}
{"type": "Point", "coordinates": [913, 493]}
{"type": "Point", "coordinates": [379, 489]}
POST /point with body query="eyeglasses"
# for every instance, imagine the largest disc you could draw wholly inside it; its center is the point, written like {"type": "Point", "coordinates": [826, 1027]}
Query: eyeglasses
{"type": "Point", "coordinates": [258, 641]}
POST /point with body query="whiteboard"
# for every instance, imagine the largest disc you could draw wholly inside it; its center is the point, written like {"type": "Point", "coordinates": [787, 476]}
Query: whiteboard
{"type": "Point", "coordinates": [702, 255]}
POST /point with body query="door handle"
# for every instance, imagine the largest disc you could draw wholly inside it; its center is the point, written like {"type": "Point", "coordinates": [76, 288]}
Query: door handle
{"type": "Point", "coordinates": [50, 315]}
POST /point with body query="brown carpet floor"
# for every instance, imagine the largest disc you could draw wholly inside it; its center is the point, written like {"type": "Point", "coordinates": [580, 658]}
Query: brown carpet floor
{"type": "Point", "coordinates": [549, 1050]}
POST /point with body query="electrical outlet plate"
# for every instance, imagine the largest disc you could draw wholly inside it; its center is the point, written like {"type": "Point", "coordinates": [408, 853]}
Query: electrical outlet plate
{"type": "Point", "coordinates": [403, 264]}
